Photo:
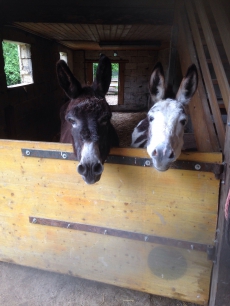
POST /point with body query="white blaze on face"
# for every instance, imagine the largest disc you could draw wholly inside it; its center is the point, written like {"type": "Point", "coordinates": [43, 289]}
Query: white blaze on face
{"type": "Point", "coordinates": [90, 153]}
{"type": "Point", "coordinates": [157, 132]}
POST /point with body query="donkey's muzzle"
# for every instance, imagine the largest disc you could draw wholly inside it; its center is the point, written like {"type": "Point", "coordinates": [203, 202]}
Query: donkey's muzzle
{"type": "Point", "coordinates": [162, 157]}
{"type": "Point", "coordinates": [91, 173]}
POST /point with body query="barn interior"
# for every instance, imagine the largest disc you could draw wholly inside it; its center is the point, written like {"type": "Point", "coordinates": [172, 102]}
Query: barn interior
{"type": "Point", "coordinates": [134, 35]}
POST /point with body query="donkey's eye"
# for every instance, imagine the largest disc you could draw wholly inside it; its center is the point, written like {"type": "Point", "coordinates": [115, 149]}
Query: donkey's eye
{"type": "Point", "coordinates": [72, 121]}
{"type": "Point", "coordinates": [183, 121]}
{"type": "Point", "coordinates": [151, 118]}
{"type": "Point", "coordinates": [103, 121]}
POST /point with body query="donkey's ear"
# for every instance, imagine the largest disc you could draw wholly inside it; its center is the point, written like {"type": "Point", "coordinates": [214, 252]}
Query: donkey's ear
{"type": "Point", "coordinates": [157, 83]}
{"type": "Point", "coordinates": [67, 81]}
{"type": "Point", "coordinates": [103, 76]}
{"type": "Point", "coordinates": [188, 85]}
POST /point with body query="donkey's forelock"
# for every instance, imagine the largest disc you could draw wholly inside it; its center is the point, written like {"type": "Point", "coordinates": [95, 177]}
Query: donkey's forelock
{"type": "Point", "coordinates": [93, 106]}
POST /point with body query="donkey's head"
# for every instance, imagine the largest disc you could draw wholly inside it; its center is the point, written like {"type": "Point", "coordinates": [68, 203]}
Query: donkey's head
{"type": "Point", "coordinates": [88, 119]}
{"type": "Point", "coordinates": [168, 117]}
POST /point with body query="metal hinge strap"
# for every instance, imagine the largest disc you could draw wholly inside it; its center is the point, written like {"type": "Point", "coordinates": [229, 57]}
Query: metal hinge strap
{"type": "Point", "coordinates": [215, 168]}
{"type": "Point", "coordinates": [210, 249]}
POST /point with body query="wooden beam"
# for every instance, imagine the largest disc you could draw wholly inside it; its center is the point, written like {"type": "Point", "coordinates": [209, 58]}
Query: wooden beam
{"type": "Point", "coordinates": [92, 45]}
{"type": "Point", "coordinates": [222, 23]}
{"type": "Point", "coordinates": [172, 56]}
{"type": "Point", "coordinates": [121, 80]}
{"type": "Point", "coordinates": [89, 73]}
{"type": "Point", "coordinates": [206, 75]}
{"type": "Point", "coordinates": [212, 48]}
{"type": "Point", "coordinates": [204, 131]}
{"type": "Point", "coordinates": [173, 53]}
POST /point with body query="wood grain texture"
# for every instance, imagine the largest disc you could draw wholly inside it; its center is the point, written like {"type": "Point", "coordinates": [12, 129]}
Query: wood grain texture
{"type": "Point", "coordinates": [222, 23]}
{"type": "Point", "coordinates": [206, 75]}
{"type": "Point", "coordinates": [212, 48]}
{"type": "Point", "coordinates": [177, 204]}
{"type": "Point", "coordinates": [92, 34]}
{"type": "Point", "coordinates": [204, 131]}
{"type": "Point", "coordinates": [219, 293]}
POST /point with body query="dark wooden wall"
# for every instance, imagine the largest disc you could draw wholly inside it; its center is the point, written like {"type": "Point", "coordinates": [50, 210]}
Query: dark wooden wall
{"type": "Point", "coordinates": [31, 112]}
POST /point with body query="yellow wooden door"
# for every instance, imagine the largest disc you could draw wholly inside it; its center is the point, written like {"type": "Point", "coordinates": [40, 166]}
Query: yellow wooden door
{"type": "Point", "coordinates": [177, 204]}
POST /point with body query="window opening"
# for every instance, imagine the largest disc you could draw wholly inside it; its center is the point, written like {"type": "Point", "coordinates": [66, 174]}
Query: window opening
{"type": "Point", "coordinates": [112, 94]}
{"type": "Point", "coordinates": [17, 63]}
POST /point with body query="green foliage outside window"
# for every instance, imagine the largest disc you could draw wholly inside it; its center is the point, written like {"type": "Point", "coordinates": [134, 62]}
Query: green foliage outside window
{"type": "Point", "coordinates": [11, 59]}
{"type": "Point", "coordinates": [115, 70]}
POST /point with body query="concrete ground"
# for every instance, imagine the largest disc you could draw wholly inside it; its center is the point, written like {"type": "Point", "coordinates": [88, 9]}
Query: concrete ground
{"type": "Point", "coordinates": [23, 286]}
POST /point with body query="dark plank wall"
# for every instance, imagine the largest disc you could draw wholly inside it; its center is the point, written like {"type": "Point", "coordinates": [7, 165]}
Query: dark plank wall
{"type": "Point", "coordinates": [32, 112]}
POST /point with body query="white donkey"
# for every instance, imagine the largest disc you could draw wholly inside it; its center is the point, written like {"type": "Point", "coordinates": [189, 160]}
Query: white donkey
{"type": "Point", "coordinates": [162, 130]}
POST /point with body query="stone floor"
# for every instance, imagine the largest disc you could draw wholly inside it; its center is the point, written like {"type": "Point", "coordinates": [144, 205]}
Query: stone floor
{"type": "Point", "coordinates": [23, 286]}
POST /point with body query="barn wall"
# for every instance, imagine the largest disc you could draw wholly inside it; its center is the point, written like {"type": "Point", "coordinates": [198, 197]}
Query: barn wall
{"type": "Point", "coordinates": [31, 112]}
{"type": "Point", "coordinates": [137, 71]}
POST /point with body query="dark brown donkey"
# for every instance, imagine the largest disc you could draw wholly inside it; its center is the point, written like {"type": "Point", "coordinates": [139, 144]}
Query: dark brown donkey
{"type": "Point", "coordinates": [86, 119]}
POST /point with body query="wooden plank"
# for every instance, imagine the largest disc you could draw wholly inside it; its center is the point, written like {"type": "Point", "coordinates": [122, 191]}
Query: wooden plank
{"type": "Point", "coordinates": [171, 72]}
{"type": "Point", "coordinates": [89, 73]}
{"type": "Point", "coordinates": [87, 29]}
{"type": "Point", "coordinates": [219, 294]}
{"type": "Point", "coordinates": [173, 54]}
{"type": "Point", "coordinates": [171, 272]}
{"type": "Point", "coordinates": [206, 75]}
{"type": "Point", "coordinates": [129, 198]}
{"type": "Point", "coordinates": [204, 132]}
{"type": "Point", "coordinates": [222, 23]}
{"type": "Point", "coordinates": [121, 80]}
{"type": "Point", "coordinates": [216, 61]}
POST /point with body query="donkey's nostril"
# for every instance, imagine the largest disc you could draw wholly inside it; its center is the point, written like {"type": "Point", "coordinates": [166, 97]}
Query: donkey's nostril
{"type": "Point", "coordinates": [154, 153]}
{"type": "Point", "coordinates": [98, 168]}
{"type": "Point", "coordinates": [81, 169]}
{"type": "Point", "coordinates": [171, 155]}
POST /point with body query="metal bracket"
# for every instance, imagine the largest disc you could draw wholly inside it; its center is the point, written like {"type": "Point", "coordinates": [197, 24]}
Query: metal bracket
{"type": "Point", "coordinates": [215, 168]}
{"type": "Point", "coordinates": [222, 175]}
{"type": "Point", "coordinates": [211, 252]}
{"type": "Point", "coordinates": [210, 249]}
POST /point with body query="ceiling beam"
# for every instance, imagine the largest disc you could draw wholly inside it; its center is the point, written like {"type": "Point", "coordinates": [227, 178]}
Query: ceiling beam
{"type": "Point", "coordinates": [91, 45]}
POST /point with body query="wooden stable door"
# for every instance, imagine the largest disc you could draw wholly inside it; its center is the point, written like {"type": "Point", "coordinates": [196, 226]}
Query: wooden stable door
{"type": "Point", "coordinates": [136, 228]}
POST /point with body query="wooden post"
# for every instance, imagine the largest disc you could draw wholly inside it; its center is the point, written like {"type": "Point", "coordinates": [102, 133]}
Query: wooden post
{"type": "Point", "coordinates": [121, 80]}
{"type": "Point", "coordinates": [220, 285]}
{"type": "Point", "coordinates": [206, 75]}
{"type": "Point", "coordinates": [89, 73]}
{"type": "Point", "coordinates": [173, 52]}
